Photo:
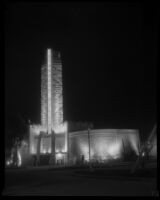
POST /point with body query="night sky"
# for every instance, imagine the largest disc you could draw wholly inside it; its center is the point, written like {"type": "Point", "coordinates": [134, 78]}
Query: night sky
{"type": "Point", "coordinates": [109, 57]}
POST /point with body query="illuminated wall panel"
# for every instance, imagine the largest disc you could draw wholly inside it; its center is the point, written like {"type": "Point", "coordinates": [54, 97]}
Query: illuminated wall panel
{"type": "Point", "coordinates": [57, 103]}
{"type": "Point", "coordinates": [45, 145]}
{"type": "Point", "coordinates": [34, 132]}
{"type": "Point", "coordinates": [60, 143]}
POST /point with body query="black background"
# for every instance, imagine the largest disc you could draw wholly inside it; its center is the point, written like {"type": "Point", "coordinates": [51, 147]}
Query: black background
{"type": "Point", "coordinates": [109, 57]}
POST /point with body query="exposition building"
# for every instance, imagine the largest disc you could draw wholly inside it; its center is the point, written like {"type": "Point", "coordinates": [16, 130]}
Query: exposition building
{"type": "Point", "coordinates": [51, 138]}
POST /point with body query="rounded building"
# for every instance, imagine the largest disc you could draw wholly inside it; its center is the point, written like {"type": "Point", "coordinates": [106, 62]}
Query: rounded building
{"type": "Point", "coordinates": [99, 144]}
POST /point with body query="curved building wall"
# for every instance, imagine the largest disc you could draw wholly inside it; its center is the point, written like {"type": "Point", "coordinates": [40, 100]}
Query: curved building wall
{"type": "Point", "coordinates": [153, 151]}
{"type": "Point", "coordinates": [104, 144]}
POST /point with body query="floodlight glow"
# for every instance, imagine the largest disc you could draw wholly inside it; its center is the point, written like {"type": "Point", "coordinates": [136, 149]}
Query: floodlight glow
{"type": "Point", "coordinates": [143, 154]}
{"type": "Point", "coordinates": [134, 143]}
{"type": "Point", "coordinates": [19, 159]}
{"type": "Point", "coordinates": [114, 149]}
{"type": "Point", "coordinates": [44, 151]}
{"type": "Point", "coordinates": [8, 162]}
{"type": "Point", "coordinates": [59, 155]}
{"type": "Point", "coordinates": [49, 150]}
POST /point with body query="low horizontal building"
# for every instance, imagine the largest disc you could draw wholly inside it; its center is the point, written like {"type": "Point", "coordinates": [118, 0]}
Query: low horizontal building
{"type": "Point", "coordinates": [97, 145]}
{"type": "Point", "coordinates": [104, 144]}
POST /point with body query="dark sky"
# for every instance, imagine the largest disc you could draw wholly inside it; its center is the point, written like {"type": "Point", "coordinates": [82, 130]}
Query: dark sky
{"type": "Point", "coordinates": [109, 57]}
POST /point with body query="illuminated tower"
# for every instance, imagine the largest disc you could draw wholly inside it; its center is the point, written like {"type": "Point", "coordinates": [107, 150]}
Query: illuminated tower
{"type": "Point", "coordinates": [51, 92]}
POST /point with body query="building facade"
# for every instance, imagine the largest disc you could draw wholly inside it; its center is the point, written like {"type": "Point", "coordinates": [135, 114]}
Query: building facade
{"type": "Point", "coordinates": [51, 137]}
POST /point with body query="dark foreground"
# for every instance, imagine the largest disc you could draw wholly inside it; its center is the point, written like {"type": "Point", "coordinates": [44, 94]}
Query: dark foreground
{"type": "Point", "coordinates": [78, 182]}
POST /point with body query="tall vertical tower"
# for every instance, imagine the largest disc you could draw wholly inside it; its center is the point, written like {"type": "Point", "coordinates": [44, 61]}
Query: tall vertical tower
{"type": "Point", "coordinates": [51, 92]}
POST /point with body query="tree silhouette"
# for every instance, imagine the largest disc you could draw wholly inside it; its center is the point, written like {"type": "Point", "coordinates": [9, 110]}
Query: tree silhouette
{"type": "Point", "coordinates": [15, 128]}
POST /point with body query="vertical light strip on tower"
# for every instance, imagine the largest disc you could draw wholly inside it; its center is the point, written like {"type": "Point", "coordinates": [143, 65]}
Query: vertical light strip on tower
{"type": "Point", "coordinates": [44, 96]}
{"type": "Point", "coordinates": [49, 67]}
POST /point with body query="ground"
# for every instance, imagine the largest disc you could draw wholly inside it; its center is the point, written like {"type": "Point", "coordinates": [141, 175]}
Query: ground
{"type": "Point", "coordinates": [47, 181]}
